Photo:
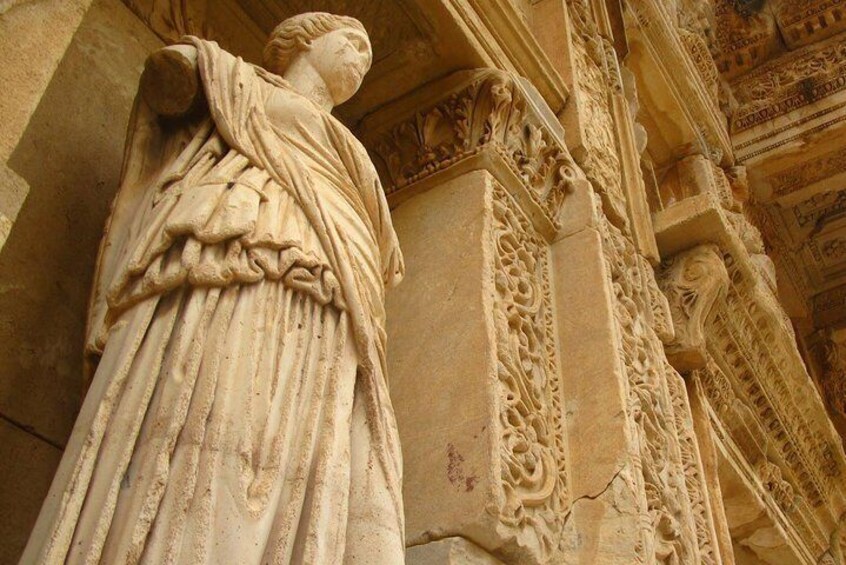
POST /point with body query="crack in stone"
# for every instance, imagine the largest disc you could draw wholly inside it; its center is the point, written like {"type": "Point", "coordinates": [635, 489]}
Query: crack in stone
{"type": "Point", "coordinates": [592, 496]}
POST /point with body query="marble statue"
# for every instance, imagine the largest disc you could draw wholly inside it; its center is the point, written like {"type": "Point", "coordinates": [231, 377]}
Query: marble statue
{"type": "Point", "coordinates": [239, 411]}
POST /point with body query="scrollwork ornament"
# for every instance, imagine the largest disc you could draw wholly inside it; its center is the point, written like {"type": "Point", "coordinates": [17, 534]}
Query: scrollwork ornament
{"type": "Point", "coordinates": [692, 282]}
{"type": "Point", "coordinates": [532, 433]}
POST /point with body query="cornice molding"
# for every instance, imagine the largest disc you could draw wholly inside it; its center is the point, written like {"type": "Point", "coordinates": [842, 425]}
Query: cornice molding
{"type": "Point", "coordinates": [681, 72]}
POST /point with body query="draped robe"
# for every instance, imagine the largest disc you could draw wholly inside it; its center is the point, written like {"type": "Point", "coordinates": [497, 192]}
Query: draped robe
{"type": "Point", "coordinates": [239, 410]}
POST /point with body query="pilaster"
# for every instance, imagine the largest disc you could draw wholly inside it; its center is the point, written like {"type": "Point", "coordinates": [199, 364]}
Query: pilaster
{"type": "Point", "coordinates": [506, 276]}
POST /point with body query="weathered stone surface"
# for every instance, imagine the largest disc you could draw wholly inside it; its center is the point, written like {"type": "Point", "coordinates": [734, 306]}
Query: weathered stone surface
{"type": "Point", "coordinates": [33, 40]}
{"type": "Point", "coordinates": [68, 161]}
{"type": "Point", "coordinates": [70, 156]}
{"type": "Point", "coordinates": [440, 337]}
{"type": "Point", "coordinates": [553, 166]}
{"type": "Point", "coordinates": [449, 551]}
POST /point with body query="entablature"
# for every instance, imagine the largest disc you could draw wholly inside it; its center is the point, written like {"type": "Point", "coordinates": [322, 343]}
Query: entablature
{"type": "Point", "coordinates": [753, 375]}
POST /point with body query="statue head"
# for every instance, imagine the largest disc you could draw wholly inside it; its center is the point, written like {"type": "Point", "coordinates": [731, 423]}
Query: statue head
{"type": "Point", "coordinates": [337, 48]}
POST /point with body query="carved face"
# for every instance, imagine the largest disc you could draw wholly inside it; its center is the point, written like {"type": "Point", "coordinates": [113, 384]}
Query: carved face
{"type": "Point", "coordinates": [342, 58]}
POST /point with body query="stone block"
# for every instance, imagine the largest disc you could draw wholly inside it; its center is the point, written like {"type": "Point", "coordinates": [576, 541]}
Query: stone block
{"type": "Point", "coordinates": [33, 40]}
{"type": "Point", "coordinates": [440, 359]}
{"type": "Point", "coordinates": [474, 377]}
{"type": "Point", "coordinates": [593, 379]}
{"type": "Point", "coordinates": [449, 551]}
{"type": "Point", "coordinates": [27, 464]}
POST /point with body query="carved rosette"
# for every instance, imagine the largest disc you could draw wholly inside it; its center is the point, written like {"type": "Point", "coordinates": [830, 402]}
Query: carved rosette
{"type": "Point", "coordinates": [534, 487]}
{"type": "Point", "coordinates": [491, 112]}
{"type": "Point", "coordinates": [692, 281]}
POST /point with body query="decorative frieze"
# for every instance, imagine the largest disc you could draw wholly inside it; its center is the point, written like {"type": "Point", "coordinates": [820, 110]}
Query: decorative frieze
{"type": "Point", "coordinates": [774, 483]}
{"type": "Point", "coordinates": [600, 159]}
{"type": "Point", "coordinates": [788, 83]}
{"type": "Point", "coordinates": [808, 21]}
{"type": "Point", "coordinates": [829, 307]}
{"type": "Point", "coordinates": [831, 359]}
{"type": "Point", "coordinates": [694, 475]}
{"type": "Point", "coordinates": [754, 368]}
{"type": "Point", "coordinates": [808, 172]}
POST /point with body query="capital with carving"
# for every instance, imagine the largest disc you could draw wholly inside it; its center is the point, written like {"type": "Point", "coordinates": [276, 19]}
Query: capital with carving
{"type": "Point", "coordinates": [486, 114]}
{"type": "Point", "coordinates": [693, 281]}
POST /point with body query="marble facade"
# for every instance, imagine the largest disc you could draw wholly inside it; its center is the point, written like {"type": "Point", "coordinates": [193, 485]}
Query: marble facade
{"type": "Point", "coordinates": [621, 335]}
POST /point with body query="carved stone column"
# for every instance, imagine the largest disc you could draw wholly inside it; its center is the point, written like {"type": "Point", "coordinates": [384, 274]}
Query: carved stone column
{"type": "Point", "coordinates": [477, 177]}
{"type": "Point", "coordinates": [503, 339]}
{"type": "Point", "coordinates": [666, 474]}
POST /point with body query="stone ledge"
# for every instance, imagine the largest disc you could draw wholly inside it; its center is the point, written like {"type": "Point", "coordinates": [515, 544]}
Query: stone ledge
{"type": "Point", "coordinates": [789, 414]}
{"type": "Point", "coordinates": [674, 72]}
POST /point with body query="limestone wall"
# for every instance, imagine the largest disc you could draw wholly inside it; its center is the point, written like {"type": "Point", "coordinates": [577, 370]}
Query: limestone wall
{"type": "Point", "coordinates": [70, 156]}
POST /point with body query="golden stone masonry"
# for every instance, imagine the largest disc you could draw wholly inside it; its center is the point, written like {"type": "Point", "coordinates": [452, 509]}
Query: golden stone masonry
{"type": "Point", "coordinates": [430, 282]}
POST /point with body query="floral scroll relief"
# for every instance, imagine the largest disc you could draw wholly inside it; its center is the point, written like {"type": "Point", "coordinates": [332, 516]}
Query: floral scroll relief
{"type": "Point", "coordinates": [677, 528]}
{"type": "Point", "coordinates": [532, 433]}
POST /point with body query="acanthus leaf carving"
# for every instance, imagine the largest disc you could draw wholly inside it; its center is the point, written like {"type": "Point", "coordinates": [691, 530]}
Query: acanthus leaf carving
{"type": "Point", "coordinates": [491, 111]}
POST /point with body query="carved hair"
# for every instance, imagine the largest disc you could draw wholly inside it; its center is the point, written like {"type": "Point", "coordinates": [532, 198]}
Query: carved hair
{"type": "Point", "coordinates": [296, 34]}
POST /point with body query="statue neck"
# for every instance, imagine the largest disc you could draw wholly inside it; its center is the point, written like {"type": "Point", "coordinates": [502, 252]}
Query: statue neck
{"type": "Point", "coordinates": [305, 79]}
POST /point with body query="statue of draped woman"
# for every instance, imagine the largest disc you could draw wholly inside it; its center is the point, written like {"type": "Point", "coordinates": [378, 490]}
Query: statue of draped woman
{"type": "Point", "coordinates": [238, 411]}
